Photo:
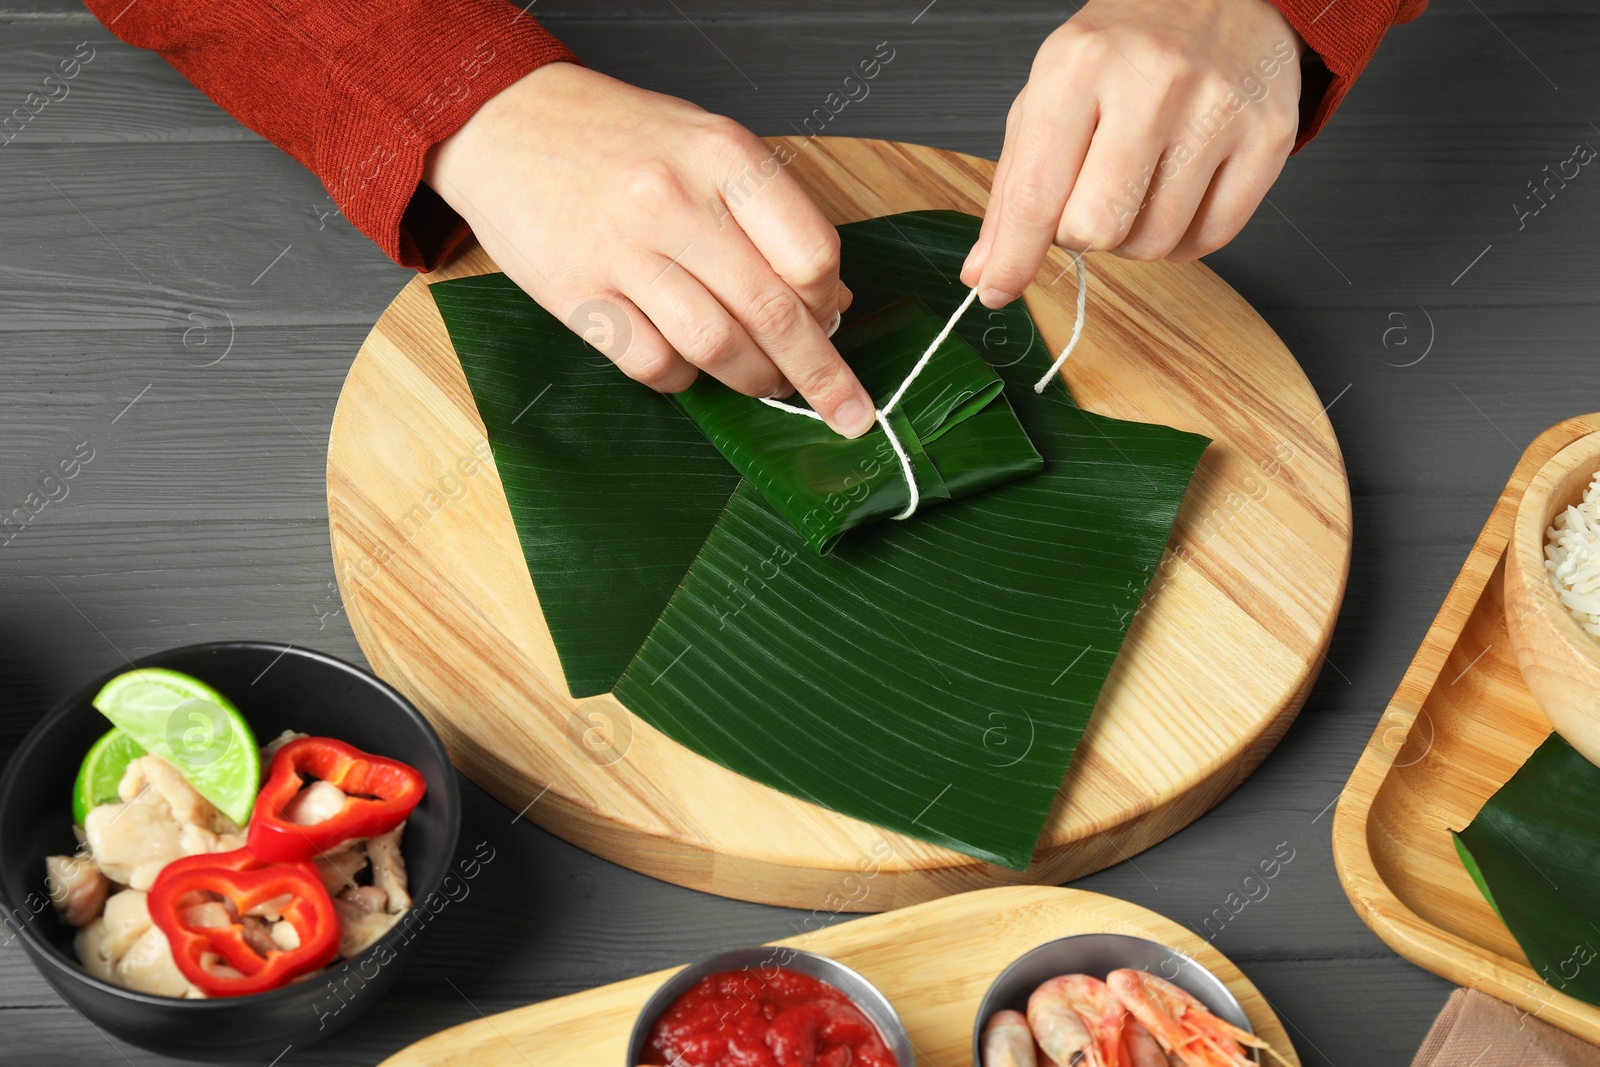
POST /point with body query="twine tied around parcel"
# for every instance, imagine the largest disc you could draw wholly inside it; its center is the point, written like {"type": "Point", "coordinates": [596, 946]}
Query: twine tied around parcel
{"type": "Point", "coordinates": [883, 413]}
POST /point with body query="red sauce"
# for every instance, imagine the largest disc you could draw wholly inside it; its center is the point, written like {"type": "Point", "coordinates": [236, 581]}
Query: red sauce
{"type": "Point", "coordinates": [765, 1017]}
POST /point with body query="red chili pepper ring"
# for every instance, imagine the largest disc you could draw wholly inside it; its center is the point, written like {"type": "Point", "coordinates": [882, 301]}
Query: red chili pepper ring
{"type": "Point", "coordinates": [380, 794]}
{"type": "Point", "coordinates": [243, 882]}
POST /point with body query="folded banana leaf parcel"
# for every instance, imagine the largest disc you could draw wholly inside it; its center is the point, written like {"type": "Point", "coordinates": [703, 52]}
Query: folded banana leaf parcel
{"type": "Point", "coordinates": [734, 573]}
{"type": "Point", "coordinates": [955, 426]}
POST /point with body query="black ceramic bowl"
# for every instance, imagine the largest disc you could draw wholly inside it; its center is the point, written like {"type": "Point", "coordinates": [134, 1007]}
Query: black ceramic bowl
{"type": "Point", "coordinates": [276, 689]}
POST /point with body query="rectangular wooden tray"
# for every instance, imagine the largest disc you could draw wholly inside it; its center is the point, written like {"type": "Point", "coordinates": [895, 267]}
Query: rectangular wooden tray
{"type": "Point", "coordinates": [934, 962]}
{"type": "Point", "coordinates": [1460, 725]}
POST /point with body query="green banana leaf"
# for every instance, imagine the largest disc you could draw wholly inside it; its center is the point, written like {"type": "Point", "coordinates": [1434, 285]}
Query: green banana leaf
{"type": "Point", "coordinates": [932, 676]}
{"type": "Point", "coordinates": [1534, 852]}
{"type": "Point", "coordinates": [958, 431]}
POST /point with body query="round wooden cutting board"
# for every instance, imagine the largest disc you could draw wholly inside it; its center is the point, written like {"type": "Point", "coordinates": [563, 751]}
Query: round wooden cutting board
{"type": "Point", "coordinates": [1217, 662]}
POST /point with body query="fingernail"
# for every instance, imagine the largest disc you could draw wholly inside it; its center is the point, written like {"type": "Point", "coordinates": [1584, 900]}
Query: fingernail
{"type": "Point", "coordinates": [995, 298]}
{"type": "Point", "coordinates": [782, 392]}
{"type": "Point", "coordinates": [853, 418]}
{"type": "Point", "coordinates": [833, 327]}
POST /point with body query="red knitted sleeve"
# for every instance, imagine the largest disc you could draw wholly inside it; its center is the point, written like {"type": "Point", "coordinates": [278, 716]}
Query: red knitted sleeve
{"type": "Point", "coordinates": [357, 90]}
{"type": "Point", "coordinates": [1344, 34]}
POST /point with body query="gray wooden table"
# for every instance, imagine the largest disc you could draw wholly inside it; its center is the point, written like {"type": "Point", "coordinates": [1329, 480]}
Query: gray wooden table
{"type": "Point", "coordinates": [185, 298]}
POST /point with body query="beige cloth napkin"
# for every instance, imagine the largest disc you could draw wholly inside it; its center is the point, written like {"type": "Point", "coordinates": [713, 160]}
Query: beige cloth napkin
{"type": "Point", "coordinates": [1476, 1030]}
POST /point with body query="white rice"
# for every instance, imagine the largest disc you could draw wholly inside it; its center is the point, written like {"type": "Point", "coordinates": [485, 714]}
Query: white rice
{"type": "Point", "coordinates": [1572, 556]}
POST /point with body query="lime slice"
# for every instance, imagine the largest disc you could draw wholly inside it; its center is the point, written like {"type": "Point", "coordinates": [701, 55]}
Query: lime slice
{"type": "Point", "coordinates": [101, 771]}
{"type": "Point", "coordinates": [194, 728]}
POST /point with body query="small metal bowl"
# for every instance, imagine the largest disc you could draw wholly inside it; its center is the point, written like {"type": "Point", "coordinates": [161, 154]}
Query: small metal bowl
{"type": "Point", "coordinates": [873, 1004]}
{"type": "Point", "coordinates": [1097, 955]}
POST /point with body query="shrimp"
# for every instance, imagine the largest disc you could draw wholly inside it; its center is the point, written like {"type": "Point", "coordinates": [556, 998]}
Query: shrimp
{"type": "Point", "coordinates": [1007, 1041]}
{"type": "Point", "coordinates": [1140, 1049]}
{"type": "Point", "coordinates": [1183, 1026]}
{"type": "Point", "coordinates": [1077, 1020]}
{"type": "Point", "coordinates": [1062, 1034]}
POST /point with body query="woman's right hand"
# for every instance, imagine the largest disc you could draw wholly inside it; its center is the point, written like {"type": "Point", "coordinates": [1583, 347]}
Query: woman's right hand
{"type": "Point", "coordinates": [583, 187]}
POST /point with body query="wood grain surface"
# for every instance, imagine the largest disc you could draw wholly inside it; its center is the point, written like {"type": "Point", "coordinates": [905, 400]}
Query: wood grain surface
{"type": "Point", "coordinates": [1460, 725]}
{"type": "Point", "coordinates": [1215, 666]}
{"type": "Point", "coordinates": [934, 962]}
{"type": "Point", "coordinates": [205, 514]}
{"type": "Point", "coordinates": [1560, 661]}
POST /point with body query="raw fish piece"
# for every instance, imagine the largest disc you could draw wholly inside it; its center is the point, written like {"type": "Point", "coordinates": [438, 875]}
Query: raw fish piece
{"type": "Point", "coordinates": [77, 888]}
{"type": "Point", "coordinates": [389, 869]}
{"type": "Point", "coordinates": [148, 967]}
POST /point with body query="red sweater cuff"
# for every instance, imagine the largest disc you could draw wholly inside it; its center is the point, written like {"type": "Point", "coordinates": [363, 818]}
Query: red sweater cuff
{"type": "Point", "coordinates": [357, 91]}
{"type": "Point", "coordinates": [396, 93]}
{"type": "Point", "coordinates": [1344, 34]}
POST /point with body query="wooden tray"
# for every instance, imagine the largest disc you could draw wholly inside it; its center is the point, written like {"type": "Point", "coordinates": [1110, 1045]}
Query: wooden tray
{"type": "Point", "coordinates": [1213, 671]}
{"type": "Point", "coordinates": [933, 961]}
{"type": "Point", "coordinates": [1458, 728]}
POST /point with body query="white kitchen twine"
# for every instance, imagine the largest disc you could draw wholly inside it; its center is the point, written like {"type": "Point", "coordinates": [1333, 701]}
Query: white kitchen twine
{"type": "Point", "coordinates": [883, 412]}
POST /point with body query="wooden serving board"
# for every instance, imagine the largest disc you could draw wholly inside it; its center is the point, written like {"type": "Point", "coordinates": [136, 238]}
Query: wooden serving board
{"type": "Point", "coordinates": [934, 962]}
{"type": "Point", "coordinates": [1460, 725]}
{"type": "Point", "coordinates": [1214, 668]}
